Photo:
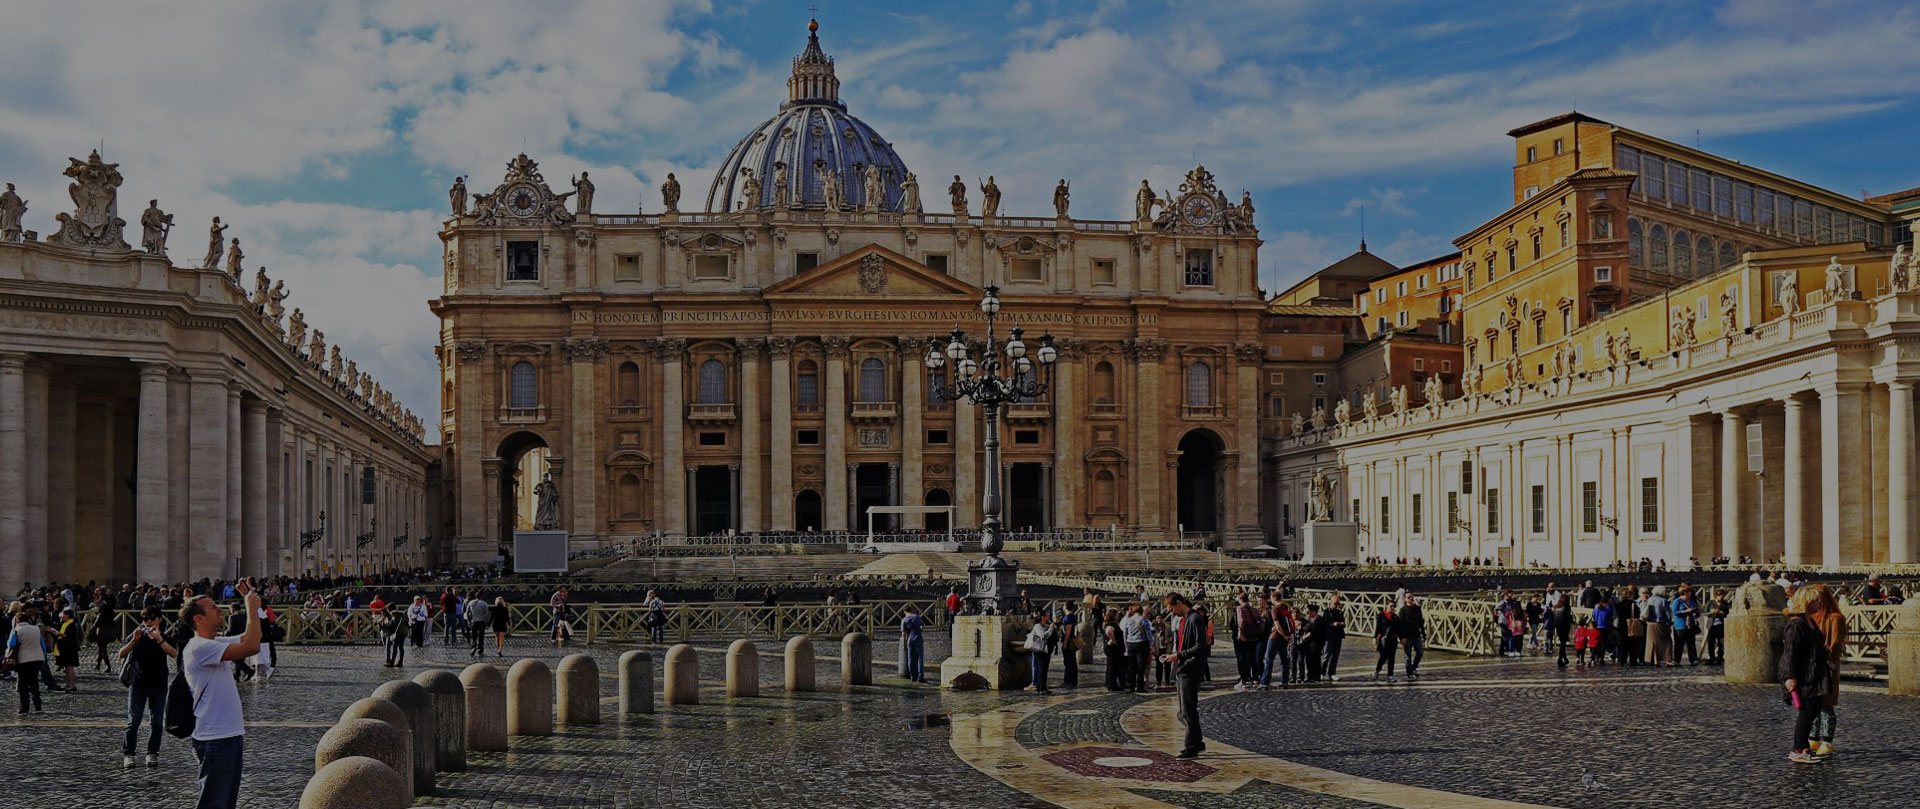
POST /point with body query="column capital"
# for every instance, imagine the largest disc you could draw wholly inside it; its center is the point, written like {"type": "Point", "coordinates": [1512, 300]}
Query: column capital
{"type": "Point", "coordinates": [780, 348]}
{"type": "Point", "coordinates": [1900, 384]}
{"type": "Point", "coordinates": [151, 369]}
{"type": "Point", "coordinates": [1795, 401]}
{"type": "Point", "coordinates": [13, 362]}
{"type": "Point", "coordinates": [836, 347]}
{"type": "Point", "coordinates": [251, 406]}
{"type": "Point", "coordinates": [753, 349]}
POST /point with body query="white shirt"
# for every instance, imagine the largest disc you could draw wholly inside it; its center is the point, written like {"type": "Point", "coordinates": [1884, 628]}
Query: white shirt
{"type": "Point", "coordinates": [32, 648]}
{"type": "Point", "coordinates": [417, 613]}
{"type": "Point", "coordinates": [1134, 629]}
{"type": "Point", "coordinates": [216, 708]}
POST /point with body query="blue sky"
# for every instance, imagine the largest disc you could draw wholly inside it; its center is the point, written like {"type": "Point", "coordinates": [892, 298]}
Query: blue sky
{"type": "Point", "coordinates": [327, 132]}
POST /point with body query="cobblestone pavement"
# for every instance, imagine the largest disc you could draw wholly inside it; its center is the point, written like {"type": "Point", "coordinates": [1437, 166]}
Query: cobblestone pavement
{"type": "Point", "coordinates": [1471, 733]}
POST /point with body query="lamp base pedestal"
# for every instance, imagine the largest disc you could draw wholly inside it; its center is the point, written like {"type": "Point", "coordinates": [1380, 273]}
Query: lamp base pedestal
{"type": "Point", "coordinates": [987, 654]}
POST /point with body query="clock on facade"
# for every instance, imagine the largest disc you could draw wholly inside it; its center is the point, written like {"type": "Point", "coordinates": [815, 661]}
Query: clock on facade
{"type": "Point", "coordinates": [1198, 209]}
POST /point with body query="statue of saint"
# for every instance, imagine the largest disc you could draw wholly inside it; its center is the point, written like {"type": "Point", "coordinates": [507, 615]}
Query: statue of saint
{"type": "Point", "coordinates": [871, 187]}
{"type": "Point", "coordinates": [1246, 207]}
{"type": "Point", "coordinates": [781, 196]}
{"type": "Point", "coordinates": [582, 194]}
{"type": "Point", "coordinates": [958, 191]}
{"type": "Point", "coordinates": [1342, 411]}
{"type": "Point", "coordinates": [12, 210]}
{"type": "Point", "coordinates": [262, 288]}
{"type": "Point", "coordinates": [1318, 419]}
{"type": "Point", "coordinates": [1143, 202]}
{"type": "Point", "coordinates": [1399, 399]}
{"type": "Point", "coordinates": [155, 224]}
{"type": "Point", "coordinates": [1837, 287]}
{"type": "Point", "coordinates": [216, 239]}
{"type": "Point", "coordinates": [910, 194]}
{"type": "Point", "coordinates": [1729, 314]}
{"type": "Point", "coordinates": [1612, 350]}
{"type": "Point", "coordinates": [1369, 408]}
{"type": "Point", "coordinates": [1433, 393]}
{"type": "Point", "coordinates": [334, 364]}
{"type": "Point", "coordinates": [749, 189]}
{"type": "Point", "coordinates": [670, 193]}
{"type": "Point", "coordinates": [235, 260]}
{"type": "Point", "coordinates": [457, 196]}
{"type": "Point", "coordinates": [1900, 274]}
{"type": "Point", "coordinates": [1299, 422]}
{"type": "Point", "coordinates": [546, 495]}
{"type": "Point", "coordinates": [296, 329]}
{"type": "Point", "coordinates": [317, 347]}
{"type": "Point", "coordinates": [829, 186]}
{"type": "Point", "coordinates": [1061, 198]}
{"type": "Point", "coordinates": [275, 300]}
{"type": "Point", "coordinates": [1320, 497]}
{"type": "Point", "coordinates": [989, 198]}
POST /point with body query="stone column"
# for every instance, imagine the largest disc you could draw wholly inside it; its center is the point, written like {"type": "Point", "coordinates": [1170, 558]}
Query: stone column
{"type": "Point", "coordinates": [278, 510]}
{"type": "Point", "coordinates": [781, 408]}
{"type": "Point", "coordinates": [13, 490]}
{"type": "Point", "coordinates": [1733, 466]}
{"type": "Point", "coordinates": [748, 492]}
{"type": "Point", "coordinates": [835, 503]}
{"type": "Point", "coordinates": [35, 461]}
{"type": "Point", "coordinates": [62, 434]}
{"type": "Point", "coordinates": [1148, 463]}
{"type": "Point", "coordinates": [1844, 503]}
{"type": "Point", "coordinates": [1246, 484]}
{"type": "Point", "coordinates": [1900, 539]}
{"type": "Point", "coordinates": [469, 429]}
{"type": "Point", "coordinates": [913, 435]}
{"type": "Point", "coordinates": [236, 475]}
{"type": "Point", "coordinates": [670, 352]}
{"type": "Point", "coordinates": [1794, 481]}
{"type": "Point", "coordinates": [254, 484]}
{"type": "Point", "coordinates": [854, 523]}
{"type": "Point", "coordinates": [733, 496]}
{"type": "Point", "coordinates": [966, 465]}
{"type": "Point", "coordinates": [583, 361]}
{"type": "Point", "coordinates": [1067, 424]}
{"type": "Point", "coordinates": [207, 474]}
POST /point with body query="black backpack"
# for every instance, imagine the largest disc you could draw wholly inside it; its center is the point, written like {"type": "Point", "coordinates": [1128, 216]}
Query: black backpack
{"type": "Point", "coordinates": [181, 704]}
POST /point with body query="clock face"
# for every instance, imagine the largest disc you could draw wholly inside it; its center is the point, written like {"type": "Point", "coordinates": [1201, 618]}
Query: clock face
{"type": "Point", "coordinates": [521, 201]}
{"type": "Point", "coordinates": [1197, 209]}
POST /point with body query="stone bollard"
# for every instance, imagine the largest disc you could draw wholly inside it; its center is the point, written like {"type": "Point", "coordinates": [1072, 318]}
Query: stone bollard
{"type": "Point", "coordinates": [1903, 651]}
{"type": "Point", "coordinates": [683, 675]}
{"type": "Point", "coordinates": [856, 659]}
{"type": "Point", "coordinates": [371, 738]}
{"type": "Point", "coordinates": [1753, 646]}
{"type": "Point", "coordinates": [800, 663]}
{"type": "Point", "coordinates": [355, 782]}
{"type": "Point", "coordinates": [376, 708]}
{"type": "Point", "coordinates": [449, 718]}
{"type": "Point", "coordinates": [579, 697]}
{"type": "Point", "coordinates": [636, 683]}
{"type": "Point", "coordinates": [486, 699]}
{"type": "Point", "coordinates": [743, 669]}
{"type": "Point", "coordinates": [418, 706]}
{"type": "Point", "coordinates": [529, 699]}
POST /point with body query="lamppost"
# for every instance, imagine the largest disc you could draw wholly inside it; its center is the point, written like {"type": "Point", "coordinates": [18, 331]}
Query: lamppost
{"type": "Point", "coordinates": [1001, 375]}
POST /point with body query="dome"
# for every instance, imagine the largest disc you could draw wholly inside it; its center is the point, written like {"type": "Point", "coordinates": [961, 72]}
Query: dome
{"type": "Point", "coordinates": [812, 137]}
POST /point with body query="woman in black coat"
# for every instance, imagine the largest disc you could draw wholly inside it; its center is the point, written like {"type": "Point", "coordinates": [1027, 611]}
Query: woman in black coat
{"type": "Point", "coordinates": [1803, 673]}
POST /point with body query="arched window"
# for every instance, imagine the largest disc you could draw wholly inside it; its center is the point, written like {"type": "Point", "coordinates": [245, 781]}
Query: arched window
{"type": "Point", "coordinates": [713, 383]}
{"type": "Point", "coordinates": [523, 385]}
{"type": "Point", "coordinates": [1103, 383]}
{"type": "Point", "coordinates": [1105, 492]}
{"type": "Point", "coordinates": [629, 496]}
{"type": "Point", "coordinates": [1636, 244]}
{"type": "Point", "coordinates": [1703, 252]}
{"type": "Point", "coordinates": [1199, 385]}
{"type": "Point", "coordinates": [1728, 256]}
{"type": "Point", "coordinates": [1657, 249]}
{"type": "Point", "coordinates": [808, 388]}
{"type": "Point", "coordinates": [1682, 254]}
{"type": "Point", "coordinates": [873, 380]}
{"type": "Point", "coordinates": [627, 384]}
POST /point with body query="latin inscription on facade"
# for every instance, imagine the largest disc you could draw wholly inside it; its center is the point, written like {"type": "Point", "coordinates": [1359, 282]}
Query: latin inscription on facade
{"type": "Point", "coordinates": [855, 315]}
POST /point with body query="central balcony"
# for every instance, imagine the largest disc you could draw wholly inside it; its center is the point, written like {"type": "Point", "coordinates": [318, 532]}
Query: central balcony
{"type": "Point", "coordinates": [523, 415]}
{"type": "Point", "coordinates": [711, 413]}
{"type": "Point", "coordinates": [875, 411]}
{"type": "Point", "coordinates": [1029, 411]}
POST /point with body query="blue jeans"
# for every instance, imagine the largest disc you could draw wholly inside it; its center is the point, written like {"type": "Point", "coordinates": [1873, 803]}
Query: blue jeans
{"type": "Point", "coordinates": [1277, 649]}
{"type": "Point", "coordinates": [916, 659]}
{"type": "Point", "coordinates": [150, 703]}
{"type": "Point", "coordinates": [219, 771]}
{"type": "Point", "coordinates": [1039, 663]}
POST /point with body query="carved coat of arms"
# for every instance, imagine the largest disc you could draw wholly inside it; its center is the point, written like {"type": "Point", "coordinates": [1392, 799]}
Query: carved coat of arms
{"type": "Point", "coordinates": [873, 274]}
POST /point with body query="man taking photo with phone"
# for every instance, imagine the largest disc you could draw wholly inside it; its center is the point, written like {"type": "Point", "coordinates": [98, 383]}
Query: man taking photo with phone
{"type": "Point", "coordinates": [219, 732]}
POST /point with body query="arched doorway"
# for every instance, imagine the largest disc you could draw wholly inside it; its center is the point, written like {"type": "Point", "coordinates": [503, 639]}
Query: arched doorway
{"type": "Point", "coordinates": [1198, 484]}
{"type": "Point", "coordinates": [806, 510]}
{"type": "Point", "coordinates": [523, 462]}
{"type": "Point", "coordinates": [938, 497]}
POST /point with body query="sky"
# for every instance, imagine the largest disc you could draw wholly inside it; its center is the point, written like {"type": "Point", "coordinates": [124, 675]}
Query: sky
{"type": "Point", "coordinates": [326, 133]}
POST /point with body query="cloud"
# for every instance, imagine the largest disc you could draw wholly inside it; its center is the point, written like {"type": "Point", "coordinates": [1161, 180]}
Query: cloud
{"type": "Point", "coordinates": [1390, 201]}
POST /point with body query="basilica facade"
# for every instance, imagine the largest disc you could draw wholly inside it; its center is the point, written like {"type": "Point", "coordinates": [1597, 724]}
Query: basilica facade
{"type": "Point", "coordinates": [758, 366]}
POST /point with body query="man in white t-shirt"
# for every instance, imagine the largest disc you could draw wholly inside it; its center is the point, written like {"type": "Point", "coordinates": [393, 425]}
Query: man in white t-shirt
{"type": "Point", "coordinates": [219, 733]}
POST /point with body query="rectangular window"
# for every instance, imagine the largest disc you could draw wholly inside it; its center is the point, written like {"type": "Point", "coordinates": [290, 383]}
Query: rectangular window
{"type": "Point", "coordinates": [1603, 275]}
{"type": "Point", "coordinates": [1420, 282]}
{"type": "Point", "coordinates": [1677, 183]}
{"type": "Point", "coordinates": [1453, 512]}
{"type": "Point", "coordinates": [1538, 494]}
{"type": "Point", "coordinates": [1763, 207]}
{"type": "Point", "coordinates": [937, 262]}
{"type": "Point", "coordinates": [1653, 177]}
{"type": "Point", "coordinates": [807, 438]}
{"type": "Point", "coordinates": [1493, 512]}
{"type": "Point", "coordinates": [1027, 269]}
{"type": "Point", "coordinates": [1400, 289]}
{"type": "Point", "coordinates": [626, 268]}
{"type": "Point", "coordinates": [1319, 402]}
{"type": "Point", "coordinates": [1589, 507]}
{"type": "Point", "coordinates": [803, 262]}
{"type": "Point", "coordinates": [1419, 363]}
{"type": "Point", "coordinates": [1722, 196]}
{"type": "Point", "coordinates": [713, 439]}
{"type": "Point", "coordinates": [1702, 189]}
{"type": "Point", "coordinates": [1317, 351]}
{"type": "Point", "coordinates": [1199, 268]}
{"type": "Point", "coordinates": [937, 437]}
{"type": "Point", "coordinates": [1566, 321]}
{"type": "Point", "coordinates": [1559, 145]}
{"type": "Point", "coordinates": [1415, 519]}
{"type": "Point", "coordinates": [1276, 407]}
{"type": "Point", "coordinates": [1649, 505]}
{"type": "Point", "coordinates": [523, 261]}
{"type": "Point", "coordinates": [1380, 295]}
{"type": "Point", "coordinates": [1401, 318]}
{"type": "Point", "coordinates": [1532, 154]}
{"type": "Point", "coordinates": [1354, 512]}
{"type": "Point", "coordinates": [1103, 271]}
{"type": "Point", "coordinates": [1466, 477]}
{"type": "Point", "coordinates": [1386, 515]}
{"type": "Point", "coordinates": [1319, 379]}
{"type": "Point", "coordinates": [1026, 436]}
{"type": "Point", "coordinates": [710, 268]}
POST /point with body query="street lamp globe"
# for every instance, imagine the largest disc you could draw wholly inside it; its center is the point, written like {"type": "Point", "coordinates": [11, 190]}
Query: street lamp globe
{"type": "Point", "coordinates": [1047, 352]}
{"type": "Point", "coordinates": [934, 358]}
{"type": "Point", "coordinates": [968, 366]}
{"type": "Point", "coordinates": [1015, 347]}
{"type": "Point", "coordinates": [990, 305]}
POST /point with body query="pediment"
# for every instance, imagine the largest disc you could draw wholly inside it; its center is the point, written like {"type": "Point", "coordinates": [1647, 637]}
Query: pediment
{"type": "Point", "coordinates": [872, 271]}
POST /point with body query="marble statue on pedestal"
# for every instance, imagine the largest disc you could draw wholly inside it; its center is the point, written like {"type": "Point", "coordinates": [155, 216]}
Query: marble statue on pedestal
{"type": "Point", "coordinates": [546, 513]}
{"type": "Point", "coordinates": [95, 221]}
{"type": "Point", "coordinates": [155, 225]}
{"type": "Point", "coordinates": [989, 198]}
{"type": "Point", "coordinates": [749, 189]}
{"type": "Point", "coordinates": [235, 260]}
{"type": "Point", "coordinates": [1320, 497]}
{"type": "Point", "coordinates": [13, 210]}
{"type": "Point", "coordinates": [958, 192]}
{"type": "Point", "coordinates": [874, 193]}
{"type": "Point", "coordinates": [910, 194]}
{"type": "Point", "coordinates": [781, 193]}
{"type": "Point", "coordinates": [1061, 199]}
{"type": "Point", "coordinates": [1143, 202]}
{"type": "Point", "coordinates": [582, 194]}
{"type": "Point", "coordinates": [670, 193]}
{"type": "Point", "coordinates": [457, 196]}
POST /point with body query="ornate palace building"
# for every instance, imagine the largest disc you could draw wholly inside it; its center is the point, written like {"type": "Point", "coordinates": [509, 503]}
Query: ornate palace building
{"type": "Point", "coordinates": [159, 423]}
{"type": "Point", "coordinates": [1663, 354]}
{"type": "Point", "coordinates": [758, 366]}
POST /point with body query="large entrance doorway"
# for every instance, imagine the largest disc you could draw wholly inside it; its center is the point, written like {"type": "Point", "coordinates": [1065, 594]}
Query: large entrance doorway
{"type": "Point", "coordinates": [1027, 497]}
{"type": "Point", "coordinates": [806, 511]}
{"type": "Point", "coordinates": [938, 497]}
{"type": "Point", "coordinates": [872, 488]}
{"type": "Point", "coordinates": [1198, 482]}
{"type": "Point", "coordinates": [712, 500]}
{"type": "Point", "coordinates": [523, 458]}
